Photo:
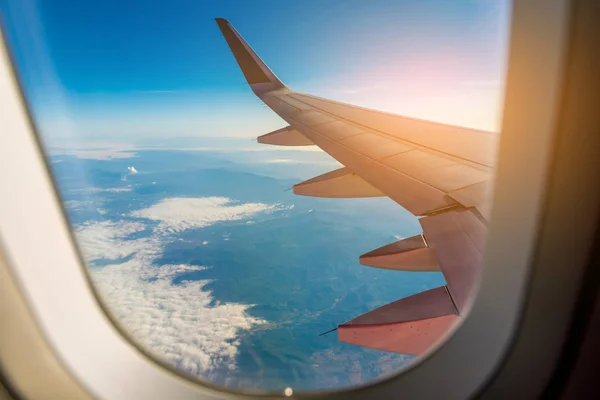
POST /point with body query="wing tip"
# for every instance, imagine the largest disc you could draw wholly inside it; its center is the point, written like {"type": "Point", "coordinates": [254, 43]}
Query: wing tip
{"type": "Point", "coordinates": [223, 24]}
{"type": "Point", "coordinates": [254, 69]}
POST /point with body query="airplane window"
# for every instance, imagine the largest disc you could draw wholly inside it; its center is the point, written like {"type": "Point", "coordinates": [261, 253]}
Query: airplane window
{"type": "Point", "coordinates": [253, 210]}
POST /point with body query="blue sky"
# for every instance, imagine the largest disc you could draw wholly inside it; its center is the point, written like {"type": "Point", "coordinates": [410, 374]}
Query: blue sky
{"type": "Point", "coordinates": [122, 70]}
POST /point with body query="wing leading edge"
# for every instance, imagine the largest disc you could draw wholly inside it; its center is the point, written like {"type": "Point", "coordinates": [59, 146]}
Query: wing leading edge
{"type": "Point", "coordinates": [438, 172]}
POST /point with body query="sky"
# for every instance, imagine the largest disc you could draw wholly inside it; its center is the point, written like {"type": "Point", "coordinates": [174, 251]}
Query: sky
{"type": "Point", "coordinates": [120, 71]}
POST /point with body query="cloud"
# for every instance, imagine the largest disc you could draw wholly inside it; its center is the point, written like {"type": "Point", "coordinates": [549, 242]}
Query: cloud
{"type": "Point", "coordinates": [177, 323]}
{"type": "Point", "coordinates": [100, 190]}
{"type": "Point", "coordinates": [94, 151]}
{"type": "Point", "coordinates": [73, 204]}
{"type": "Point", "coordinates": [261, 148]}
{"type": "Point", "coordinates": [109, 151]}
{"type": "Point", "coordinates": [132, 170]}
{"type": "Point", "coordinates": [97, 154]}
{"type": "Point", "coordinates": [77, 205]}
{"type": "Point", "coordinates": [295, 161]}
{"type": "Point", "coordinates": [93, 239]}
{"type": "Point", "coordinates": [280, 161]}
{"type": "Point", "coordinates": [179, 214]}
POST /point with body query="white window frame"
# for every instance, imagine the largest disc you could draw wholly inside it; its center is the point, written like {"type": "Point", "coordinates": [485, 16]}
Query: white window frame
{"type": "Point", "coordinates": [44, 261]}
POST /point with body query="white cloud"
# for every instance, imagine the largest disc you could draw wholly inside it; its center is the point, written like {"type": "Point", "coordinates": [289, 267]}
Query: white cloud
{"type": "Point", "coordinates": [76, 205]}
{"type": "Point", "coordinates": [100, 190]}
{"type": "Point", "coordinates": [73, 204]}
{"type": "Point", "coordinates": [94, 151]}
{"type": "Point", "coordinates": [295, 161]}
{"type": "Point", "coordinates": [132, 170]}
{"type": "Point", "coordinates": [97, 154]}
{"type": "Point", "coordinates": [102, 154]}
{"type": "Point", "coordinates": [179, 214]}
{"type": "Point", "coordinates": [176, 323]}
{"type": "Point", "coordinates": [118, 190]}
{"type": "Point", "coordinates": [280, 161]}
{"type": "Point", "coordinates": [93, 239]}
{"type": "Point", "coordinates": [261, 148]}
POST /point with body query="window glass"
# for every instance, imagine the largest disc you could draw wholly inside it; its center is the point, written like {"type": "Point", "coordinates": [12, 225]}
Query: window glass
{"type": "Point", "coordinates": [196, 245]}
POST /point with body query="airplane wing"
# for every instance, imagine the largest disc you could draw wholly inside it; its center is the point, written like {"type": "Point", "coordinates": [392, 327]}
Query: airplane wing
{"type": "Point", "coordinates": [437, 172]}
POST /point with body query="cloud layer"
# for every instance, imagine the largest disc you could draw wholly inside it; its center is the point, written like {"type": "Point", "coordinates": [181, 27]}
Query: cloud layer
{"type": "Point", "coordinates": [175, 322]}
{"type": "Point", "coordinates": [179, 214]}
{"type": "Point", "coordinates": [100, 190]}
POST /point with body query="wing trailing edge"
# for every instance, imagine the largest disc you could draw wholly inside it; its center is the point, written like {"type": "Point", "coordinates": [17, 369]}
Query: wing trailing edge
{"type": "Point", "coordinates": [458, 238]}
{"type": "Point", "coordinates": [339, 183]}
{"type": "Point", "coordinates": [287, 136]}
{"type": "Point", "coordinates": [410, 325]}
{"type": "Point", "coordinates": [410, 254]}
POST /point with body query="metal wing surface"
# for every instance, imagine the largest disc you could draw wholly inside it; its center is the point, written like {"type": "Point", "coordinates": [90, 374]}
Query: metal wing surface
{"type": "Point", "coordinates": [438, 172]}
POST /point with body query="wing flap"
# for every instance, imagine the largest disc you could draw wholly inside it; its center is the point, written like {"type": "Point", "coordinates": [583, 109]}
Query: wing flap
{"type": "Point", "coordinates": [410, 254]}
{"type": "Point", "coordinates": [458, 239]}
{"type": "Point", "coordinates": [413, 338]}
{"type": "Point", "coordinates": [287, 136]}
{"type": "Point", "coordinates": [409, 325]}
{"type": "Point", "coordinates": [340, 183]}
{"type": "Point", "coordinates": [476, 196]}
